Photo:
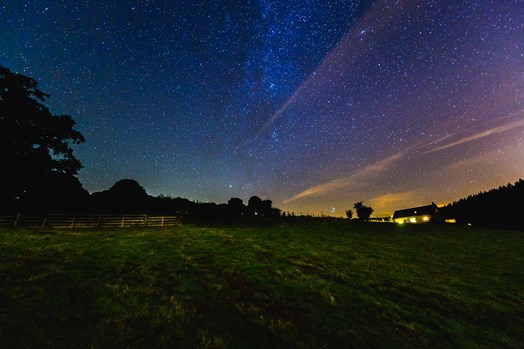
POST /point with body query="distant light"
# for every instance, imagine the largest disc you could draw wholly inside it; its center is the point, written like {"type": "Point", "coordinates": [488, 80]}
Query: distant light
{"type": "Point", "coordinates": [469, 224]}
{"type": "Point", "coordinates": [425, 218]}
{"type": "Point", "coordinates": [451, 220]}
{"type": "Point", "coordinates": [413, 220]}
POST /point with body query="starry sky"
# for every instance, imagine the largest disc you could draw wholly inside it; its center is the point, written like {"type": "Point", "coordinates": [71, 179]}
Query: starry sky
{"type": "Point", "coordinates": [312, 104]}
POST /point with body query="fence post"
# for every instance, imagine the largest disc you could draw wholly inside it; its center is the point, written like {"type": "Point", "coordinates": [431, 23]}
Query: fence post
{"type": "Point", "coordinates": [17, 219]}
{"type": "Point", "coordinates": [44, 221]}
{"type": "Point", "coordinates": [162, 224]}
{"type": "Point", "coordinates": [146, 220]}
{"type": "Point", "coordinates": [123, 220]}
{"type": "Point", "coordinates": [73, 222]}
{"type": "Point", "coordinates": [98, 222]}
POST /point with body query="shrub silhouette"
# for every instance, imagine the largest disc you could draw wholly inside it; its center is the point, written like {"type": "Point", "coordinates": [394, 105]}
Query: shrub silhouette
{"type": "Point", "coordinates": [363, 212]}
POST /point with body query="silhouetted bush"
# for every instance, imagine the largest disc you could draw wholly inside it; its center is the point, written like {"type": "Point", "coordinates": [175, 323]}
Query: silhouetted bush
{"type": "Point", "coordinates": [363, 212]}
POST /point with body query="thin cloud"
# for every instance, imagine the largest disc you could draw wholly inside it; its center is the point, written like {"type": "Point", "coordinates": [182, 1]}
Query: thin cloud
{"type": "Point", "coordinates": [482, 159]}
{"type": "Point", "coordinates": [390, 199]}
{"type": "Point", "coordinates": [509, 159]}
{"type": "Point", "coordinates": [362, 176]}
{"type": "Point", "coordinates": [340, 56]}
{"type": "Point", "coordinates": [433, 145]}
{"type": "Point", "coordinates": [357, 178]}
{"type": "Point", "coordinates": [495, 130]}
{"type": "Point", "coordinates": [391, 202]}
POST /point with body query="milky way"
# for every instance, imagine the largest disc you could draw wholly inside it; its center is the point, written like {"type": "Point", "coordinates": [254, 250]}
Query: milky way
{"type": "Point", "coordinates": [312, 104]}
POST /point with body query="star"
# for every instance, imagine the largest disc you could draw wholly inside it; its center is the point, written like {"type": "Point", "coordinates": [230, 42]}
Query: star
{"type": "Point", "coordinates": [331, 103]}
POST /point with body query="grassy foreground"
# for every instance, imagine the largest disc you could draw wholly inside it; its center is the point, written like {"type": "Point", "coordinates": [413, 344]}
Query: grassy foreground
{"type": "Point", "coordinates": [316, 285]}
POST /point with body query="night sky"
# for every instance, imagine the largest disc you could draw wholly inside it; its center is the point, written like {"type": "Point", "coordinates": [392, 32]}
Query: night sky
{"type": "Point", "coordinates": [312, 104]}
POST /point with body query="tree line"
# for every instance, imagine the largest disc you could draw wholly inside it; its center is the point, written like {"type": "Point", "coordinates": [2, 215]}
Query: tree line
{"type": "Point", "coordinates": [128, 196]}
{"type": "Point", "coordinates": [40, 168]}
{"type": "Point", "coordinates": [39, 173]}
{"type": "Point", "coordinates": [500, 207]}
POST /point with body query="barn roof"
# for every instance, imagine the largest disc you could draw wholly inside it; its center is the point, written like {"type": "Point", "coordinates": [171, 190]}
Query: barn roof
{"type": "Point", "coordinates": [416, 211]}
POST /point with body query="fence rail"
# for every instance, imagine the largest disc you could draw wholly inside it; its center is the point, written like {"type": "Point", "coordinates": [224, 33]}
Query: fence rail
{"type": "Point", "coordinates": [88, 220]}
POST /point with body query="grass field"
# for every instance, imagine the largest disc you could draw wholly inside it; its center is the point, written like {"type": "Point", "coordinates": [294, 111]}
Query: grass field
{"type": "Point", "coordinates": [300, 285]}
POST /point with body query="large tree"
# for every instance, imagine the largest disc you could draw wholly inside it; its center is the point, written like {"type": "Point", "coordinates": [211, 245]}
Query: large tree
{"type": "Point", "coordinates": [35, 144]}
{"type": "Point", "coordinates": [363, 211]}
{"type": "Point", "coordinates": [236, 207]}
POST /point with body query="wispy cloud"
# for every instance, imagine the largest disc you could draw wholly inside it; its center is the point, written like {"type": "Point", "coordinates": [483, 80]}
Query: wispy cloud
{"type": "Point", "coordinates": [364, 176]}
{"type": "Point", "coordinates": [340, 57]}
{"type": "Point", "coordinates": [495, 130]}
{"type": "Point", "coordinates": [387, 203]}
{"type": "Point", "coordinates": [390, 199]}
{"type": "Point", "coordinates": [481, 159]}
{"type": "Point", "coordinates": [357, 178]}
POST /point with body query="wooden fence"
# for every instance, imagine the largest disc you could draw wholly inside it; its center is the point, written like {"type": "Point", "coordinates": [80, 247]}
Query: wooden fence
{"type": "Point", "coordinates": [88, 220]}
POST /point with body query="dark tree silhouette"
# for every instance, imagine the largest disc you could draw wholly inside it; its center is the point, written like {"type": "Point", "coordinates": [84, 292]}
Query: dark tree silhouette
{"type": "Point", "coordinates": [363, 212]}
{"type": "Point", "coordinates": [501, 207]}
{"type": "Point", "coordinates": [57, 188]}
{"type": "Point", "coordinates": [258, 207]}
{"type": "Point", "coordinates": [126, 195]}
{"type": "Point", "coordinates": [254, 205]}
{"type": "Point", "coordinates": [266, 208]}
{"type": "Point", "coordinates": [35, 144]}
{"type": "Point", "coordinates": [52, 192]}
{"type": "Point", "coordinates": [349, 214]}
{"type": "Point", "coordinates": [236, 207]}
{"type": "Point", "coordinates": [127, 189]}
